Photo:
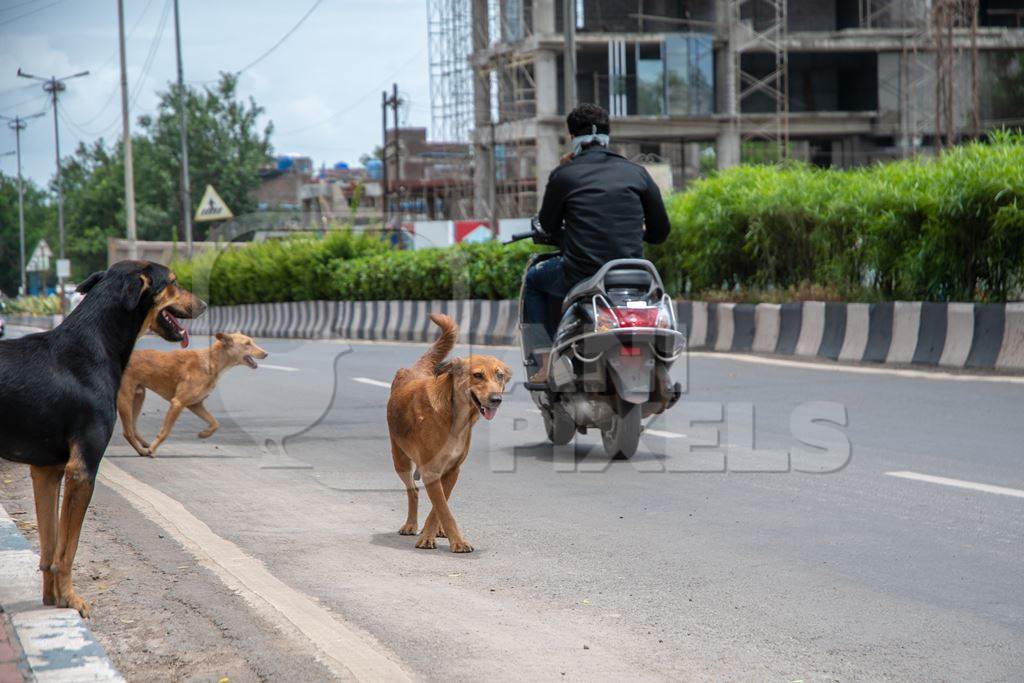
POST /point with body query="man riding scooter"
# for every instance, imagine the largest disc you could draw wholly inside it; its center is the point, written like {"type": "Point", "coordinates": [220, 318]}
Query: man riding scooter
{"type": "Point", "coordinates": [598, 207]}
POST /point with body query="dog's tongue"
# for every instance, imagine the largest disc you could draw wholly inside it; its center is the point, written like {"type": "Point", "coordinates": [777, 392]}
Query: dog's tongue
{"type": "Point", "coordinates": [184, 337]}
{"type": "Point", "coordinates": [489, 413]}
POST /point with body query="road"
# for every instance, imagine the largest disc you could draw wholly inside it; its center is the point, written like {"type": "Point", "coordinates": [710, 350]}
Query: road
{"type": "Point", "coordinates": [270, 551]}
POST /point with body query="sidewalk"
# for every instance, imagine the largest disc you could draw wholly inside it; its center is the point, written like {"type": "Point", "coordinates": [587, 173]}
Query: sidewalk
{"type": "Point", "coordinates": [40, 643]}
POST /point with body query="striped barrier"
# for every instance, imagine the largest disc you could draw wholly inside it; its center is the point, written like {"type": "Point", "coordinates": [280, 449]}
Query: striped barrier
{"type": "Point", "coordinates": [950, 335]}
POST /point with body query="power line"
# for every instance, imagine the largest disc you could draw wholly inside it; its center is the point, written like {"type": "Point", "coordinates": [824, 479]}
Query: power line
{"type": "Point", "coordinates": [17, 5]}
{"type": "Point", "coordinates": [358, 101]}
{"type": "Point", "coordinates": [152, 52]}
{"type": "Point", "coordinates": [29, 13]}
{"type": "Point", "coordinates": [278, 43]}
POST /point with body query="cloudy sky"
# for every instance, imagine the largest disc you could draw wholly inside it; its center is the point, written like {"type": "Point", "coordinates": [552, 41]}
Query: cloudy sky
{"type": "Point", "coordinates": [321, 87]}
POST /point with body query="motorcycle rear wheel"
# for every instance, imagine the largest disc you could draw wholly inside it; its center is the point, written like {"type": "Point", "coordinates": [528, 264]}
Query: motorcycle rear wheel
{"type": "Point", "coordinates": [623, 435]}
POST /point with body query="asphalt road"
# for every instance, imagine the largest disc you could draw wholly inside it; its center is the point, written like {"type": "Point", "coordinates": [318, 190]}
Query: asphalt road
{"type": "Point", "coordinates": [688, 561]}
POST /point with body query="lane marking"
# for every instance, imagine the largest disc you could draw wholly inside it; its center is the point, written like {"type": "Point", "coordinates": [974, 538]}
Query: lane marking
{"type": "Point", "coordinates": [342, 647]}
{"type": "Point", "coordinates": [372, 382]}
{"type": "Point", "coordinates": [859, 369]}
{"type": "Point", "coordinates": [959, 483]}
{"type": "Point", "coordinates": [283, 368]}
{"type": "Point", "coordinates": [663, 434]}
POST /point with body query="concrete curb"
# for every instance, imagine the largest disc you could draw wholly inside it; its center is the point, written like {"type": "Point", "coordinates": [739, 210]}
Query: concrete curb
{"type": "Point", "coordinates": [949, 335]}
{"type": "Point", "coordinates": [57, 643]}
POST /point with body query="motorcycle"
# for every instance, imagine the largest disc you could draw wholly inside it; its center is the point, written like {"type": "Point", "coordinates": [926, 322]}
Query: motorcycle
{"type": "Point", "coordinates": [608, 364]}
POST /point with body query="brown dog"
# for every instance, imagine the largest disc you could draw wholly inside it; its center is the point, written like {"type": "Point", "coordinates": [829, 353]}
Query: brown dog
{"type": "Point", "coordinates": [185, 378]}
{"type": "Point", "coordinates": [431, 413]}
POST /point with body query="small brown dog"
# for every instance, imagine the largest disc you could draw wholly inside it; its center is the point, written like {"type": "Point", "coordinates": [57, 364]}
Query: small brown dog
{"type": "Point", "coordinates": [431, 412]}
{"type": "Point", "coordinates": [185, 378]}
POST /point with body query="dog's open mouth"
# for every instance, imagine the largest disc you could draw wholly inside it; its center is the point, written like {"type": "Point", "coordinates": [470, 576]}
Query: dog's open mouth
{"type": "Point", "coordinates": [250, 361]}
{"type": "Point", "coordinates": [487, 411]}
{"type": "Point", "coordinates": [171, 329]}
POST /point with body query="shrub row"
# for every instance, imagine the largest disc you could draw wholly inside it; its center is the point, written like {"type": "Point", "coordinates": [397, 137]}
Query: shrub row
{"type": "Point", "coordinates": [945, 228]}
{"type": "Point", "coordinates": [346, 265]}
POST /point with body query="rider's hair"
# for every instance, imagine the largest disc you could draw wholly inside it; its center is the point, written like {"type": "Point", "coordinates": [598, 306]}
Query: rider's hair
{"type": "Point", "coordinates": [584, 118]}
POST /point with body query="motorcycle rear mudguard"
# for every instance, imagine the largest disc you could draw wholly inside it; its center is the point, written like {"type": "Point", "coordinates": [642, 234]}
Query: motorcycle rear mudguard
{"type": "Point", "coordinates": [632, 376]}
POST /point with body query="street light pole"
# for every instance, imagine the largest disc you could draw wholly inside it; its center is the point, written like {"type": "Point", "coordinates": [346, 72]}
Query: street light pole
{"type": "Point", "coordinates": [55, 86]}
{"type": "Point", "coordinates": [126, 145]}
{"type": "Point", "coordinates": [17, 124]}
{"type": "Point", "coordinates": [186, 200]}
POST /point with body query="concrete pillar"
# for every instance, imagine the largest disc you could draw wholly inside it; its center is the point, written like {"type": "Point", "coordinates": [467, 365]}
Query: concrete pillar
{"type": "Point", "coordinates": [545, 76]}
{"type": "Point", "coordinates": [483, 171]}
{"type": "Point", "coordinates": [691, 161]}
{"type": "Point", "coordinates": [727, 145]}
{"type": "Point", "coordinates": [548, 154]}
{"type": "Point", "coordinates": [543, 17]}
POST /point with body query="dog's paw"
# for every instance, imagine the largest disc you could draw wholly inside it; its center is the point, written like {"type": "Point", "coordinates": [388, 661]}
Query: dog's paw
{"type": "Point", "coordinates": [426, 544]}
{"type": "Point", "coordinates": [207, 433]}
{"type": "Point", "coordinates": [74, 602]}
{"type": "Point", "coordinates": [441, 533]}
{"type": "Point", "coordinates": [143, 443]}
{"type": "Point", "coordinates": [462, 546]}
{"type": "Point", "coordinates": [147, 452]}
{"type": "Point", "coordinates": [407, 530]}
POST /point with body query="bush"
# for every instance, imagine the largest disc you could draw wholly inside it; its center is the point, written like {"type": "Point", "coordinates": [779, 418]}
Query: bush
{"type": "Point", "coordinates": [944, 228]}
{"type": "Point", "coordinates": [34, 305]}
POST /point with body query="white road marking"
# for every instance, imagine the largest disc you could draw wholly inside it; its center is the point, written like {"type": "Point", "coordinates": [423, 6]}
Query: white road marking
{"type": "Point", "coordinates": [347, 651]}
{"type": "Point", "coordinates": [373, 382]}
{"type": "Point", "coordinates": [859, 369]}
{"type": "Point", "coordinates": [959, 483]}
{"type": "Point", "coordinates": [284, 368]}
{"type": "Point", "coordinates": [664, 435]}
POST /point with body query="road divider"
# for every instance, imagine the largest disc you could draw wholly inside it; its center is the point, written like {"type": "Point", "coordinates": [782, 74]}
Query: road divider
{"type": "Point", "coordinates": [894, 333]}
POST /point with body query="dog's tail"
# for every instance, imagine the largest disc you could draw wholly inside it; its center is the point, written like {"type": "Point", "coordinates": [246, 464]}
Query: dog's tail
{"type": "Point", "coordinates": [442, 346]}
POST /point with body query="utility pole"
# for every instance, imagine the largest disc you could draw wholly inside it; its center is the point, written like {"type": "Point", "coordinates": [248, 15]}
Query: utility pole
{"type": "Point", "coordinates": [17, 124]}
{"type": "Point", "coordinates": [186, 199]}
{"type": "Point", "coordinates": [569, 56]}
{"type": "Point", "coordinates": [384, 155]}
{"type": "Point", "coordinates": [392, 102]}
{"type": "Point", "coordinates": [126, 144]}
{"type": "Point", "coordinates": [55, 86]}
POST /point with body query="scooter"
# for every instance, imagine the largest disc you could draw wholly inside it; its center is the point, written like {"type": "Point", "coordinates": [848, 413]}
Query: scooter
{"type": "Point", "coordinates": [608, 365]}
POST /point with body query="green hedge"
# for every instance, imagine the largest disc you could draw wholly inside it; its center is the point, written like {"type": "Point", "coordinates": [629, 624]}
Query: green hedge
{"type": "Point", "coordinates": [946, 228]}
{"type": "Point", "coordinates": [345, 265]}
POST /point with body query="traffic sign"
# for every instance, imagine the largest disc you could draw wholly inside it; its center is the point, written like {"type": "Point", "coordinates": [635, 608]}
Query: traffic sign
{"type": "Point", "coordinates": [63, 268]}
{"type": "Point", "coordinates": [40, 260]}
{"type": "Point", "coordinates": [212, 207]}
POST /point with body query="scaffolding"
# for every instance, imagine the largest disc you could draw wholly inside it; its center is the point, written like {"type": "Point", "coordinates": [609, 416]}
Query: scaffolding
{"type": "Point", "coordinates": [761, 26]}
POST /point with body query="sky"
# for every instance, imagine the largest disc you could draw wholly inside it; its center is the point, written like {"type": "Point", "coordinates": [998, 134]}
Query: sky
{"type": "Point", "coordinates": [321, 87]}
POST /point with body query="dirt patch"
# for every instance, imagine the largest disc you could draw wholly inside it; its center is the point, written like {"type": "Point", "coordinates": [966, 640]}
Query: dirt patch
{"type": "Point", "coordinates": [158, 614]}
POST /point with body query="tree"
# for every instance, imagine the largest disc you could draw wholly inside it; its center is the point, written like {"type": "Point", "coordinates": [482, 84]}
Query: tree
{"type": "Point", "coordinates": [40, 223]}
{"type": "Point", "coordinates": [378, 153]}
{"type": "Point", "coordinates": [225, 149]}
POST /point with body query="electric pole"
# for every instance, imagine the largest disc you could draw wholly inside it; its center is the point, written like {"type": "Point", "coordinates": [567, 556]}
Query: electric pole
{"type": "Point", "coordinates": [384, 156]}
{"type": "Point", "coordinates": [392, 102]}
{"type": "Point", "coordinates": [17, 124]}
{"type": "Point", "coordinates": [569, 54]}
{"type": "Point", "coordinates": [186, 200]}
{"type": "Point", "coordinates": [55, 86]}
{"type": "Point", "coordinates": [126, 144]}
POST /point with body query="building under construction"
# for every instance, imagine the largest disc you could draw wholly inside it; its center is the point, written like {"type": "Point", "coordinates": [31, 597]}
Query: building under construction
{"type": "Point", "coordinates": [698, 84]}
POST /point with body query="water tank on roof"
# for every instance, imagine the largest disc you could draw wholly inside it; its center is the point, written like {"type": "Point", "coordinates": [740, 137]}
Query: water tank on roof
{"type": "Point", "coordinates": [284, 163]}
{"type": "Point", "coordinates": [375, 169]}
{"type": "Point", "coordinates": [341, 166]}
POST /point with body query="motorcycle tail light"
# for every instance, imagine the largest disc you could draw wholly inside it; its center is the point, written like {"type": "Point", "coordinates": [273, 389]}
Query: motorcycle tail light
{"type": "Point", "coordinates": [604, 316]}
{"type": "Point", "coordinates": [666, 317]}
{"type": "Point", "coordinates": [637, 317]}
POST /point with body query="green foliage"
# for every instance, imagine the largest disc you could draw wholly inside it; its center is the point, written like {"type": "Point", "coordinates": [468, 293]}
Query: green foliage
{"type": "Point", "coordinates": [297, 269]}
{"type": "Point", "coordinates": [34, 305]}
{"type": "Point", "coordinates": [948, 228]}
{"type": "Point", "coordinates": [350, 266]}
{"type": "Point", "coordinates": [40, 223]}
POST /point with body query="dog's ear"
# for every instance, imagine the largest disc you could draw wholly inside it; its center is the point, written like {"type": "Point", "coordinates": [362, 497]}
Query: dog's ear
{"type": "Point", "coordinates": [452, 366]}
{"type": "Point", "coordinates": [90, 282]}
{"type": "Point", "coordinates": [223, 338]}
{"type": "Point", "coordinates": [134, 288]}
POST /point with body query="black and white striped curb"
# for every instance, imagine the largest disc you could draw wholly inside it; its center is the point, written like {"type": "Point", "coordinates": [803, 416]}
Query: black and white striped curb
{"type": "Point", "coordinates": [57, 642]}
{"type": "Point", "coordinates": [951, 335]}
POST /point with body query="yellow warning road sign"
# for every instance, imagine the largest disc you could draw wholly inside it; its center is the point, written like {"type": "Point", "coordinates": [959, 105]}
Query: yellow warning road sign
{"type": "Point", "coordinates": [212, 207]}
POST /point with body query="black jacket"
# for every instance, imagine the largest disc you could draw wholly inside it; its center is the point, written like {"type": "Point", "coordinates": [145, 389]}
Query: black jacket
{"type": "Point", "coordinates": [605, 202]}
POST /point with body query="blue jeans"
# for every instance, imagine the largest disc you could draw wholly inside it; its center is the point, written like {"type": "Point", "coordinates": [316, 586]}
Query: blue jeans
{"type": "Point", "coordinates": [544, 281]}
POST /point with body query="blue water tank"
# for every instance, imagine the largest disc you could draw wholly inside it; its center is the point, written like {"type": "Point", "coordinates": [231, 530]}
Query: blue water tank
{"type": "Point", "coordinates": [284, 163]}
{"type": "Point", "coordinates": [341, 166]}
{"type": "Point", "coordinates": [375, 169]}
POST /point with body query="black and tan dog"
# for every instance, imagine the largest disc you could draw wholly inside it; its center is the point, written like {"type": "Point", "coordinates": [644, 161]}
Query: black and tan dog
{"type": "Point", "coordinates": [57, 399]}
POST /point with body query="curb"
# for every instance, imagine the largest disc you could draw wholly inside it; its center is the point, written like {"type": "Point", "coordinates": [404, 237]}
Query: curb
{"type": "Point", "coordinates": [57, 644]}
{"type": "Point", "coordinates": [935, 334]}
